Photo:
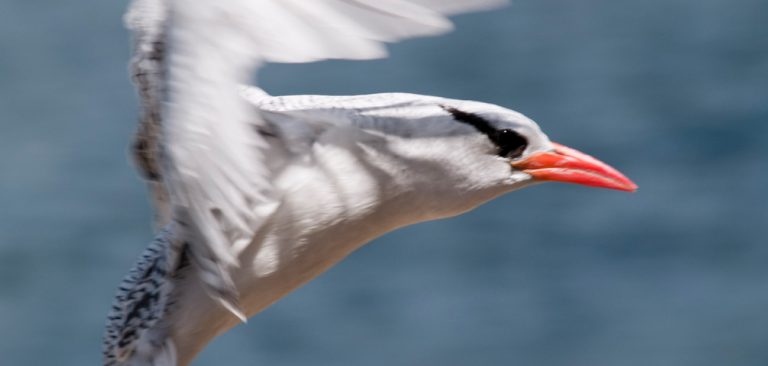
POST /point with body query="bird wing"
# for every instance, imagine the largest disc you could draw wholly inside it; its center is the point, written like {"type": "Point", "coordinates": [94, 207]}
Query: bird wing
{"type": "Point", "coordinates": [214, 162]}
{"type": "Point", "coordinates": [146, 20]}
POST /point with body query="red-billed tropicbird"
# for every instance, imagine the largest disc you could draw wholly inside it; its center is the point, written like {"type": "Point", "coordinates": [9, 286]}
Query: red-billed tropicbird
{"type": "Point", "coordinates": [257, 194]}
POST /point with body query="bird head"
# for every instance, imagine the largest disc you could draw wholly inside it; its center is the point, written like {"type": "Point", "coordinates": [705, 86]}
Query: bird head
{"type": "Point", "coordinates": [481, 144]}
{"type": "Point", "coordinates": [532, 157]}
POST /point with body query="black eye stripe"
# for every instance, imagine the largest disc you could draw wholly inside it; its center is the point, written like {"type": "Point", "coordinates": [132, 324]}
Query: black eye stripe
{"type": "Point", "coordinates": [480, 123]}
{"type": "Point", "coordinates": [510, 143]}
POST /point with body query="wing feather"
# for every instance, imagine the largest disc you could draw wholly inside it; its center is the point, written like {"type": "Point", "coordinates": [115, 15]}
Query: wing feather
{"type": "Point", "coordinates": [215, 168]}
{"type": "Point", "coordinates": [146, 20]}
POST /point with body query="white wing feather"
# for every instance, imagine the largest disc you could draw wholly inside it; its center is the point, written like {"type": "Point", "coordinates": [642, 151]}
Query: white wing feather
{"type": "Point", "coordinates": [146, 19]}
{"type": "Point", "coordinates": [215, 169]}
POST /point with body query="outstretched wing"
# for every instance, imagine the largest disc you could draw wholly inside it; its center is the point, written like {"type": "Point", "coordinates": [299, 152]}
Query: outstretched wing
{"type": "Point", "coordinates": [214, 163]}
{"type": "Point", "coordinates": [146, 19]}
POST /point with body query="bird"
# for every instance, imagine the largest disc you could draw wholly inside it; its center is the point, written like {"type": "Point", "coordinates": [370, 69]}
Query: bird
{"type": "Point", "coordinates": [256, 194]}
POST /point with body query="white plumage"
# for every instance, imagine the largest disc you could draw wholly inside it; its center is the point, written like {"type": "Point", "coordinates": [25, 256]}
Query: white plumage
{"type": "Point", "coordinates": [259, 194]}
{"type": "Point", "coordinates": [216, 174]}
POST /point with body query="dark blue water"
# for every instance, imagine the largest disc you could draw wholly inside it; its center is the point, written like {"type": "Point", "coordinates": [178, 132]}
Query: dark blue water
{"type": "Point", "coordinates": [674, 93]}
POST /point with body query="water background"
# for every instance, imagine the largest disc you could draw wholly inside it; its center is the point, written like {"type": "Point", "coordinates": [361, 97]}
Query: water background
{"type": "Point", "coordinates": [673, 92]}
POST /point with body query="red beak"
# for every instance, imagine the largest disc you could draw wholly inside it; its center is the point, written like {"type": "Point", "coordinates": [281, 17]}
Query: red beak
{"type": "Point", "coordinates": [572, 166]}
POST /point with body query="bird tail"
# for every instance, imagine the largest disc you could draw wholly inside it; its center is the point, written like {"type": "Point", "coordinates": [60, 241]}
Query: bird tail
{"type": "Point", "coordinates": [136, 332]}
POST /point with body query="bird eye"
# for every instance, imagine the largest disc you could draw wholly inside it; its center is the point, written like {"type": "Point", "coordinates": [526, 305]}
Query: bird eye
{"type": "Point", "coordinates": [511, 144]}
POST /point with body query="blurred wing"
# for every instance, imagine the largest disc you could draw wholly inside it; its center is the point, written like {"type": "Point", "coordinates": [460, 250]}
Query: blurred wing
{"type": "Point", "coordinates": [146, 20]}
{"type": "Point", "coordinates": [215, 171]}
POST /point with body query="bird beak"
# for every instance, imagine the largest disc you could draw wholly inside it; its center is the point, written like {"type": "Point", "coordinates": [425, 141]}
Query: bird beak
{"type": "Point", "coordinates": [571, 166]}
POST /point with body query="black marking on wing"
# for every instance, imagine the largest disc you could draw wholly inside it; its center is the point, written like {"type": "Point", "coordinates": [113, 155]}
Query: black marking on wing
{"type": "Point", "coordinates": [145, 157]}
{"type": "Point", "coordinates": [143, 298]}
{"type": "Point", "coordinates": [147, 69]}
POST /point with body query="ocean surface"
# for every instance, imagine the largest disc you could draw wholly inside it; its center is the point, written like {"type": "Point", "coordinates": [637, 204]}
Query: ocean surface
{"type": "Point", "coordinates": [674, 93]}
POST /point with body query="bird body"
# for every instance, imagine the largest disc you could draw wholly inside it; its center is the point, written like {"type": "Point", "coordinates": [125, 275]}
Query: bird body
{"type": "Point", "coordinates": [259, 194]}
{"type": "Point", "coordinates": [357, 171]}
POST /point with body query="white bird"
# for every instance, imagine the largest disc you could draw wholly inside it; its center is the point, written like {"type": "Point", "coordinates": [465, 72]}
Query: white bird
{"type": "Point", "coordinates": [256, 195]}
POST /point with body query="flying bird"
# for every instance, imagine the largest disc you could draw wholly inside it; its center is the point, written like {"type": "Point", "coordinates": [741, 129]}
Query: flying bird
{"type": "Point", "coordinates": [256, 194]}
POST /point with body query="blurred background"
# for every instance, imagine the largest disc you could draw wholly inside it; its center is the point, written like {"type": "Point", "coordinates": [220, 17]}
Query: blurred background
{"type": "Point", "coordinates": [674, 93]}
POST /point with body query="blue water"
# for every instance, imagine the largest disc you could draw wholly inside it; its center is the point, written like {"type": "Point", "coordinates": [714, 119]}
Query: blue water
{"type": "Point", "coordinates": [674, 93]}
